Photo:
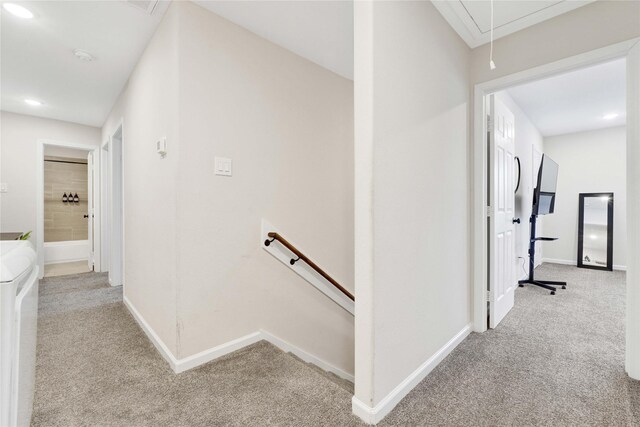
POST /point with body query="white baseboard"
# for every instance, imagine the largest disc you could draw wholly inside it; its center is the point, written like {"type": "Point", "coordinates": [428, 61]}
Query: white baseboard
{"type": "Point", "coordinates": [213, 353]}
{"type": "Point", "coordinates": [574, 263]}
{"type": "Point", "coordinates": [307, 357]}
{"type": "Point", "coordinates": [153, 337]}
{"type": "Point", "coordinates": [559, 261]}
{"type": "Point", "coordinates": [190, 362]}
{"type": "Point", "coordinates": [374, 415]}
{"type": "Point", "coordinates": [69, 251]}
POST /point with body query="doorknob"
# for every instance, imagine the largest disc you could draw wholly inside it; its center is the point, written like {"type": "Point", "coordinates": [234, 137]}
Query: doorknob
{"type": "Point", "coordinates": [515, 220]}
{"type": "Point", "coordinates": [86, 216]}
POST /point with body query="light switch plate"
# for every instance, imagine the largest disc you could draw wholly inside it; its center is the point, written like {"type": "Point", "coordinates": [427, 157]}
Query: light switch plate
{"type": "Point", "coordinates": [223, 166]}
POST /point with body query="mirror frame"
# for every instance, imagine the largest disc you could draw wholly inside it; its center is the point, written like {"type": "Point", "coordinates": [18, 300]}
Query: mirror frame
{"type": "Point", "coordinates": [582, 196]}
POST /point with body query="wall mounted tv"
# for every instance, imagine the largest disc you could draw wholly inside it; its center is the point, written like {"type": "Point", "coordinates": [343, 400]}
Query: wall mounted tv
{"type": "Point", "coordinates": [544, 195]}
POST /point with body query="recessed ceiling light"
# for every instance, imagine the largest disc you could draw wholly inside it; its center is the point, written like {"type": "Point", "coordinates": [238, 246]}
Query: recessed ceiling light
{"type": "Point", "coordinates": [83, 55]}
{"type": "Point", "coordinates": [610, 116]}
{"type": "Point", "coordinates": [17, 10]}
{"type": "Point", "coordinates": [33, 102]}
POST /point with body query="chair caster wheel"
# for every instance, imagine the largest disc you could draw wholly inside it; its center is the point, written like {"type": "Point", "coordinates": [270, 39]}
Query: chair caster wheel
{"type": "Point", "coordinates": [564, 287]}
{"type": "Point", "coordinates": [553, 293]}
{"type": "Point", "coordinates": [522, 286]}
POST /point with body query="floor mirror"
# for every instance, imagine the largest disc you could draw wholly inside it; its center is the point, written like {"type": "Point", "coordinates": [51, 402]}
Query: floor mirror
{"type": "Point", "coordinates": [595, 231]}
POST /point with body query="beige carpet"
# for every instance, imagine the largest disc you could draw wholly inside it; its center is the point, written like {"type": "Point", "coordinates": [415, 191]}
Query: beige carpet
{"type": "Point", "coordinates": [95, 367]}
{"type": "Point", "coordinates": [554, 361]}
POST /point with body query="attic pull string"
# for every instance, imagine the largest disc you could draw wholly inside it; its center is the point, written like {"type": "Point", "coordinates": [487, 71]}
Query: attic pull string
{"type": "Point", "coordinates": [492, 64]}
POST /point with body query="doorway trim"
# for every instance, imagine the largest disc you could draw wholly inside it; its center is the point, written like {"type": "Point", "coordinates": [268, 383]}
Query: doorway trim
{"type": "Point", "coordinates": [480, 177]}
{"type": "Point", "coordinates": [116, 234]}
{"type": "Point", "coordinates": [104, 204]}
{"type": "Point", "coordinates": [42, 143]}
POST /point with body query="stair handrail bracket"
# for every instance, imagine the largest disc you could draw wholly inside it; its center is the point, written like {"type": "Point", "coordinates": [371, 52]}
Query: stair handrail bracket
{"type": "Point", "coordinates": [292, 257]}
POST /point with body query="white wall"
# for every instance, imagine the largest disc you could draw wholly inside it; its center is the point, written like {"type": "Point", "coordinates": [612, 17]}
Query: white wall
{"type": "Point", "coordinates": [288, 126]}
{"type": "Point", "coordinates": [413, 262]}
{"type": "Point", "coordinates": [18, 147]}
{"type": "Point", "coordinates": [194, 266]}
{"type": "Point", "coordinates": [590, 162]}
{"type": "Point", "coordinates": [579, 31]}
{"type": "Point", "coordinates": [148, 107]}
{"type": "Point", "coordinates": [70, 153]}
{"type": "Point", "coordinates": [411, 72]}
{"type": "Point", "coordinates": [528, 139]}
{"type": "Point", "coordinates": [596, 25]}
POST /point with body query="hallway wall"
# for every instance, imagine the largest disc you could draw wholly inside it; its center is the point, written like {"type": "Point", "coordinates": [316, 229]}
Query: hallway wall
{"type": "Point", "coordinates": [405, 56]}
{"type": "Point", "coordinates": [194, 264]}
{"type": "Point", "coordinates": [287, 124]}
{"type": "Point", "coordinates": [590, 162]}
{"type": "Point", "coordinates": [18, 147]}
{"type": "Point", "coordinates": [148, 109]}
{"type": "Point", "coordinates": [412, 199]}
{"type": "Point", "coordinates": [582, 30]}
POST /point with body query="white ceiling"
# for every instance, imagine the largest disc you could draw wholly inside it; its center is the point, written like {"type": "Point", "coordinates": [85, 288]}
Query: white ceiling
{"type": "Point", "coordinates": [472, 18]}
{"type": "Point", "coordinates": [320, 31]}
{"type": "Point", "coordinates": [37, 58]}
{"type": "Point", "coordinates": [575, 101]}
{"type": "Point", "coordinates": [38, 62]}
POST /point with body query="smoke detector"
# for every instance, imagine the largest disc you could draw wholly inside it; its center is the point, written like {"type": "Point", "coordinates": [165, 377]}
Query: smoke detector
{"type": "Point", "coordinates": [83, 55]}
{"type": "Point", "coordinates": [148, 6]}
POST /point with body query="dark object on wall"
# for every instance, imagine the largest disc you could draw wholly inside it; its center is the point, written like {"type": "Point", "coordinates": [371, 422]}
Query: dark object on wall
{"type": "Point", "coordinates": [544, 198]}
{"type": "Point", "coordinates": [76, 199]}
{"type": "Point", "coordinates": [595, 231]}
{"type": "Point", "coordinates": [65, 199]}
{"type": "Point", "coordinates": [519, 175]}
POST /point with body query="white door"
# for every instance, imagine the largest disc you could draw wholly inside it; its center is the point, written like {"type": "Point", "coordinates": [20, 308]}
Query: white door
{"type": "Point", "coordinates": [90, 208]}
{"type": "Point", "coordinates": [502, 255]}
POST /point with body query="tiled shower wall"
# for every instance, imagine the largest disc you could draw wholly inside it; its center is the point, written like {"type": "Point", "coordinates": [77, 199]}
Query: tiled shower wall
{"type": "Point", "coordinates": [64, 221]}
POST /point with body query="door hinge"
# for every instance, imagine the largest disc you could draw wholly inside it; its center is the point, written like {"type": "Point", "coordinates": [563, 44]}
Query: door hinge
{"type": "Point", "coordinates": [489, 211]}
{"type": "Point", "coordinates": [489, 296]}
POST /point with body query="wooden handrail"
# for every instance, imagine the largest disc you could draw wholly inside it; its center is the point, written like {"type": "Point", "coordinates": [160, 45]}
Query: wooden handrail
{"type": "Point", "coordinates": [301, 256]}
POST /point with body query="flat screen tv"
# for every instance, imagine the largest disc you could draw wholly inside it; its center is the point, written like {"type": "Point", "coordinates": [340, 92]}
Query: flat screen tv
{"type": "Point", "coordinates": [544, 195]}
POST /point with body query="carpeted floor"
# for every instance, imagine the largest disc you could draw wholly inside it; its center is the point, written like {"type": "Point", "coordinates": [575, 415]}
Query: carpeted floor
{"type": "Point", "coordinates": [554, 360]}
{"type": "Point", "coordinates": [95, 367]}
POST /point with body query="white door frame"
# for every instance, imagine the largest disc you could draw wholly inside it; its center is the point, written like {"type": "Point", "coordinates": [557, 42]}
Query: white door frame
{"type": "Point", "coordinates": [40, 198]}
{"type": "Point", "coordinates": [116, 230]}
{"type": "Point", "coordinates": [479, 244]}
{"type": "Point", "coordinates": [104, 205]}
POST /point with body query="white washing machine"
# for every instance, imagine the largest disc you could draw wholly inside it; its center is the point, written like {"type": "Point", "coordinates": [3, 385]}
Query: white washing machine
{"type": "Point", "coordinates": [18, 326]}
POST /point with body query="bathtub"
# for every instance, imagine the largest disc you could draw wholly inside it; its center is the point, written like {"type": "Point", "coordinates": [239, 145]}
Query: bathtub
{"type": "Point", "coordinates": [69, 251]}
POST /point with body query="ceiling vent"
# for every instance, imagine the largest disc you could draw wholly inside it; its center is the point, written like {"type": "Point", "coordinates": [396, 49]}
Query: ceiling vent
{"type": "Point", "coordinates": [147, 6]}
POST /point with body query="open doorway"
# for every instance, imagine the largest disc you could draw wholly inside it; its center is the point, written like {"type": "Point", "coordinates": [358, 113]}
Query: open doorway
{"type": "Point", "coordinates": [66, 208]}
{"type": "Point", "coordinates": [588, 158]}
{"type": "Point", "coordinates": [557, 162]}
